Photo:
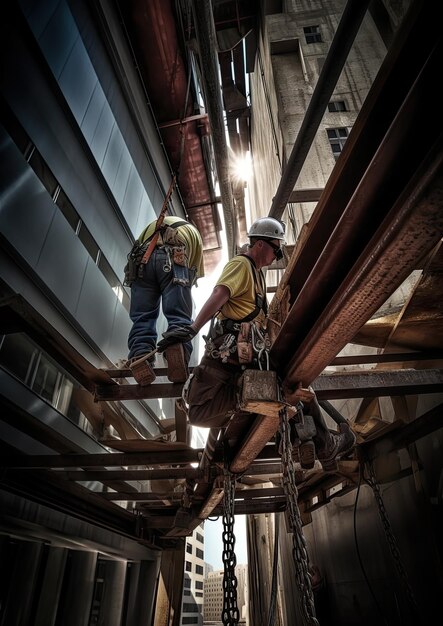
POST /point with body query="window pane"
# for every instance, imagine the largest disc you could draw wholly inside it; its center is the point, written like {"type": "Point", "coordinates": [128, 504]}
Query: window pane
{"type": "Point", "coordinates": [46, 382]}
{"type": "Point", "coordinates": [18, 355]}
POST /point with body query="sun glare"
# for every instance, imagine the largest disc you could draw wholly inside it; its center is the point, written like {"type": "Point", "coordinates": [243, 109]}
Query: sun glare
{"type": "Point", "coordinates": [243, 167]}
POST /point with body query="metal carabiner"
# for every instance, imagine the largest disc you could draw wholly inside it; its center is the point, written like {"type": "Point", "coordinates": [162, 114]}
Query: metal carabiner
{"type": "Point", "coordinates": [168, 263]}
{"type": "Point", "coordinates": [260, 354]}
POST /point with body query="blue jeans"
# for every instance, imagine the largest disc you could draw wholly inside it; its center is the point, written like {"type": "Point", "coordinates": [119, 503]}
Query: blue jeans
{"type": "Point", "coordinates": [146, 294]}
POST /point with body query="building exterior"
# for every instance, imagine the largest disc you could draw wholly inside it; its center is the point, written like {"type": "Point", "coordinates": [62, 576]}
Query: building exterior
{"type": "Point", "coordinates": [214, 597]}
{"type": "Point", "coordinates": [83, 171]}
{"type": "Point", "coordinates": [193, 587]}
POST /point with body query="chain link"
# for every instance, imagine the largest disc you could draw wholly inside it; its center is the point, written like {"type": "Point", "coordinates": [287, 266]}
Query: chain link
{"type": "Point", "coordinates": [230, 614]}
{"type": "Point", "coordinates": [299, 550]}
{"type": "Point", "coordinates": [392, 542]}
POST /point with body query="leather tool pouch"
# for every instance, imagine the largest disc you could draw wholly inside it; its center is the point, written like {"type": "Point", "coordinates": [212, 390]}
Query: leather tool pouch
{"type": "Point", "coordinates": [134, 258]}
{"type": "Point", "coordinates": [179, 256]}
{"type": "Point", "coordinates": [244, 343]}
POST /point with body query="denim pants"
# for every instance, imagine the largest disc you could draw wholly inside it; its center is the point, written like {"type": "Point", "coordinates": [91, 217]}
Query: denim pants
{"type": "Point", "coordinates": [147, 292]}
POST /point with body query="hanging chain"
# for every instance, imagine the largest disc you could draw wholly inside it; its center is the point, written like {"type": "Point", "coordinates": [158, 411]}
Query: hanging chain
{"type": "Point", "coordinates": [392, 542]}
{"type": "Point", "coordinates": [299, 551]}
{"type": "Point", "coordinates": [230, 614]}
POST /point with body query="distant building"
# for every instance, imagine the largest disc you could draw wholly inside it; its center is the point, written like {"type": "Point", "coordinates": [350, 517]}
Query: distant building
{"type": "Point", "coordinates": [213, 595]}
{"type": "Point", "coordinates": [192, 602]}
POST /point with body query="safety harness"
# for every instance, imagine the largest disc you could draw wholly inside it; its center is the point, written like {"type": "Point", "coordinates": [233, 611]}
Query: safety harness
{"type": "Point", "coordinates": [244, 336]}
{"type": "Point", "coordinates": [141, 251]}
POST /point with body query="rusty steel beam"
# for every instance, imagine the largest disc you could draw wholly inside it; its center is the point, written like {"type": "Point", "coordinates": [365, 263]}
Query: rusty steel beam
{"type": "Point", "coordinates": [375, 383]}
{"type": "Point", "coordinates": [327, 387]}
{"type": "Point", "coordinates": [427, 423]}
{"type": "Point", "coordinates": [415, 226]}
{"type": "Point", "coordinates": [398, 357]}
{"type": "Point", "coordinates": [404, 60]}
{"type": "Point", "coordinates": [276, 505]}
{"type": "Point", "coordinates": [137, 392]}
{"type": "Point", "coordinates": [50, 461]}
{"type": "Point", "coordinates": [305, 195]}
{"type": "Point", "coordinates": [104, 476]}
{"type": "Point", "coordinates": [401, 197]}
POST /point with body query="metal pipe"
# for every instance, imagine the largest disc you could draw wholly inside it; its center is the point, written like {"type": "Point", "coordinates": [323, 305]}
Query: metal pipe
{"type": "Point", "coordinates": [207, 43]}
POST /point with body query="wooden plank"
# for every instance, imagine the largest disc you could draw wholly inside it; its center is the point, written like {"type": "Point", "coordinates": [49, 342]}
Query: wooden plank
{"type": "Point", "coordinates": [262, 430]}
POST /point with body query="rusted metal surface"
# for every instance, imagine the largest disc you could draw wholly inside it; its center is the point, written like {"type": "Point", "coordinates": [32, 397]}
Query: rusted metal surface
{"type": "Point", "coordinates": [391, 222]}
{"type": "Point", "coordinates": [401, 438]}
{"type": "Point", "coordinates": [403, 63]}
{"type": "Point", "coordinates": [378, 383]}
{"type": "Point", "coordinates": [178, 457]}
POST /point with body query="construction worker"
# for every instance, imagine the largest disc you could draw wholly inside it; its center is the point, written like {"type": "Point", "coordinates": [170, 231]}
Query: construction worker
{"type": "Point", "coordinates": [239, 298]}
{"type": "Point", "coordinates": [166, 276]}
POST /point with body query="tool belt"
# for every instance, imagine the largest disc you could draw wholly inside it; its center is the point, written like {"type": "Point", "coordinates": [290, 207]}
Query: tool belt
{"type": "Point", "coordinates": [239, 343]}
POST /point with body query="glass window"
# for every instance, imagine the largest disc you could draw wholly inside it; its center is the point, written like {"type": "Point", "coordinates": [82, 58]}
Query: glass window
{"type": "Point", "coordinates": [337, 139]}
{"type": "Point", "coordinates": [337, 105]}
{"type": "Point", "coordinates": [46, 380]}
{"type": "Point", "coordinates": [188, 566]}
{"type": "Point", "coordinates": [198, 569]}
{"type": "Point", "coordinates": [199, 553]}
{"type": "Point", "coordinates": [312, 34]}
{"type": "Point", "coordinates": [188, 548]}
{"type": "Point", "coordinates": [18, 355]}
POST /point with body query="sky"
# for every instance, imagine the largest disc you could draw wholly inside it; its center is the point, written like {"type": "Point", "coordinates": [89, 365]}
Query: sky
{"type": "Point", "coordinates": [214, 541]}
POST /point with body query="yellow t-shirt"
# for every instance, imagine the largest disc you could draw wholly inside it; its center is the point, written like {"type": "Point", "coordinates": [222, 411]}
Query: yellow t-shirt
{"type": "Point", "coordinates": [243, 281]}
{"type": "Point", "coordinates": [189, 235]}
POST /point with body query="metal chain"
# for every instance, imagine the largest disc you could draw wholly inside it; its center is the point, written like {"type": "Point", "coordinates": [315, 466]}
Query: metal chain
{"type": "Point", "coordinates": [230, 614]}
{"type": "Point", "coordinates": [299, 550]}
{"type": "Point", "coordinates": [392, 542]}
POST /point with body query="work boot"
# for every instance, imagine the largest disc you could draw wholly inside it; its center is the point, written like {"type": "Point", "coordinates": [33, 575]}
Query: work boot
{"type": "Point", "coordinates": [303, 452]}
{"type": "Point", "coordinates": [337, 446]}
{"type": "Point", "coordinates": [307, 454]}
{"type": "Point", "coordinates": [141, 368]}
{"type": "Point", "coordinates": [177, 363]}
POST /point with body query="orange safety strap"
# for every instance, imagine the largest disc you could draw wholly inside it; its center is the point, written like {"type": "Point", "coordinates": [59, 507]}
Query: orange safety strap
{"type": "Point", "coordinates": [158, 224]}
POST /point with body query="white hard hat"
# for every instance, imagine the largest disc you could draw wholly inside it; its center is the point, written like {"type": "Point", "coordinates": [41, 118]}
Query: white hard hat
{"type": "Point", "coordinates": [267, 228]}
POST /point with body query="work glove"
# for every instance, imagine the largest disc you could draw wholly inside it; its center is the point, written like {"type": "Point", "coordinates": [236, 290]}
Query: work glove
{"type": "Point", "coordinates": [181, 334]}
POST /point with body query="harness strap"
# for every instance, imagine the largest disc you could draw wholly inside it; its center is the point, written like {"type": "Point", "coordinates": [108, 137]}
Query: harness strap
{"type": "Point", "coordinates": [158, 224]}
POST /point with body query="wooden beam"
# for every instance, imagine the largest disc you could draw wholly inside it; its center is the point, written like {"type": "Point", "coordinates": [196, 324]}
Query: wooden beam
{"type": "Point", "coordinates": [262, 430]}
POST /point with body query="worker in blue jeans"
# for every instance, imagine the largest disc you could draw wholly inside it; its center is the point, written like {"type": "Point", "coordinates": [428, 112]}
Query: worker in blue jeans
{"type": "Point", "coordinates": [166, 278]}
